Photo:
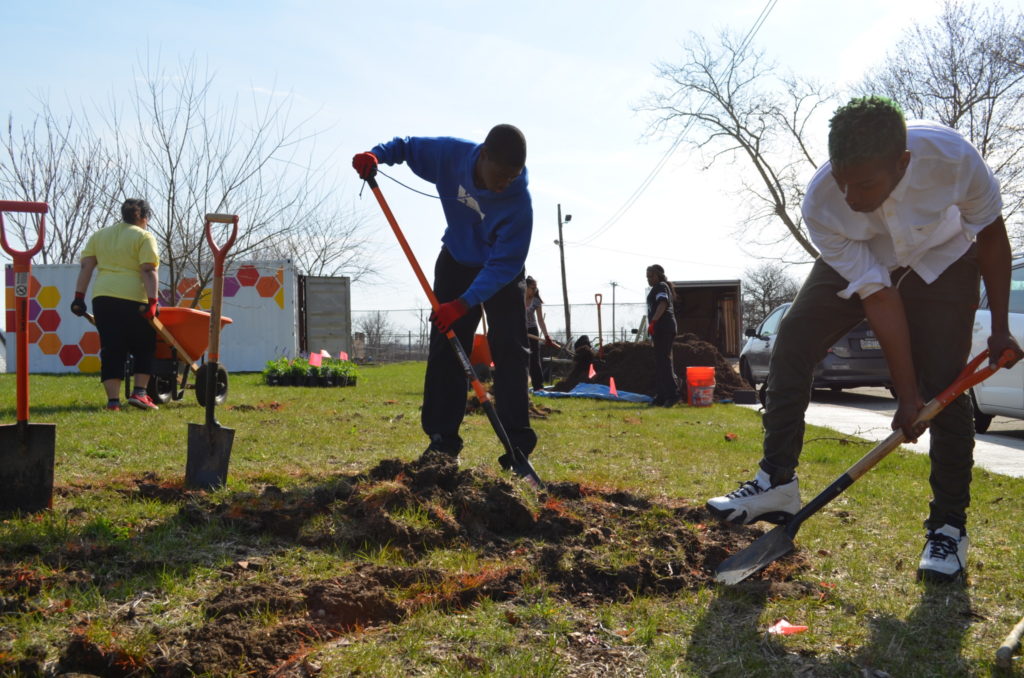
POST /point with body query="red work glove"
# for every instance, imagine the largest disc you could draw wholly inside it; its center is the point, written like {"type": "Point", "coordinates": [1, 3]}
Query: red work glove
{"type": "Point", "coordinates": [150, 310]}
{"type": "Point", "coordinates": [447, 313]}
{"type": "Point", "coordinates": [650, 329]}
{"type": "Point", "coordinates": [549, 342]}
{"type": "Point", "coordinates": [365, 164]}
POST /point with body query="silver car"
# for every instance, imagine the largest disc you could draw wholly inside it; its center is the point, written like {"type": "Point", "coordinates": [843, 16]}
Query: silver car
{"type": "Point", "coordinates": [853, 361]}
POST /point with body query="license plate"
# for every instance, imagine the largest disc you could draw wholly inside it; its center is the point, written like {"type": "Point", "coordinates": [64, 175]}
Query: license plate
{"type": "Point", "coordinates": [870, 345]}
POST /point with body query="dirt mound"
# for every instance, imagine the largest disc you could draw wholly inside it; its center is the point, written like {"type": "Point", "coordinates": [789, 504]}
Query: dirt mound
{"type": "Point", "coordinates": [632, 366]}
{"type": "Point", "coordinates": [590, 544]}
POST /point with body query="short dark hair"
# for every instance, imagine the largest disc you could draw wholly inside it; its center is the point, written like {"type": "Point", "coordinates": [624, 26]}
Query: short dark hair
{"type": "Point", "coordinates": [866, 128]}
{"type": "Point", "coordinates": [506, 145]}
{"type": "Point", "coordinates": [135, 210]}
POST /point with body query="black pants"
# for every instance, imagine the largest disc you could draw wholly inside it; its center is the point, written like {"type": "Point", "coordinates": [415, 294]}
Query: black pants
{"type": "Point", "coordinates": [664, 373]}
{"type": "Point", "coordinates": [444, 387]}
{"type": "Point", "coordinates": [941, 319]}
{"type": "Point", "coordinates": [123, 330]}
{"type": "Point", "coordinates": [536, 370]}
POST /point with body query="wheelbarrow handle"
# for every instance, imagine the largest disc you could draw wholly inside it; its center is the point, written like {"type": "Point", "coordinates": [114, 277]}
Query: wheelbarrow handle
{"type": "Point", "coordinates": [41, 208]}
{"type": "Point", "coordinates": [220, 252]}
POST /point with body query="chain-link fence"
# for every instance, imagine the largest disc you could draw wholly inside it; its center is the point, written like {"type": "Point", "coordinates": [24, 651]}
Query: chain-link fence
{"type": "Point", "coordinates": [389, 336]}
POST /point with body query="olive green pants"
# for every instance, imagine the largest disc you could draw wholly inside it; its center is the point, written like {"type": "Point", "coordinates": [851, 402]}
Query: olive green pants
{"type": "Point", "coordinates": [941, 318]}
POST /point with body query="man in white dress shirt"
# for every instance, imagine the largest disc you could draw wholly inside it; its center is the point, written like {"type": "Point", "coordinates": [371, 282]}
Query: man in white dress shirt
{"type": "Point", "coordinates": [907, 217]}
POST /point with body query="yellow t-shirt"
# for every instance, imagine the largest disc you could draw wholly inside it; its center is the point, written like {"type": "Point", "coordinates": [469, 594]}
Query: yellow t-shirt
{"type": "Point", "coordinates": [120, 250]}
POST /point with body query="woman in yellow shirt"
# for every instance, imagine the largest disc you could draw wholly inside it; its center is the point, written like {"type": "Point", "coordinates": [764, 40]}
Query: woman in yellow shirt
{"type": "Point", "coordinates": [124, 299]}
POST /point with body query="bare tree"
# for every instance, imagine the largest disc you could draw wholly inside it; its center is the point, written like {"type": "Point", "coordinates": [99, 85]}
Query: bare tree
{"type": "Point", "coordinates": [64, 164]}
{"type": "Point", "coordinates": [765, 287]}
{"type": "Point", "coordinates": [966, 70]}
{"type": "Point", "coordinates": [377, 327]}
{"type": "Point", "coordinates": [329, 244]}
{"type": "Point", "coordinates": [729, 103]}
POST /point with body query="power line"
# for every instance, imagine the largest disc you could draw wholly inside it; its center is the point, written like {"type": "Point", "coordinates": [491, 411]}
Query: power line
{"type": "Point", "coordinates": [632, 199]}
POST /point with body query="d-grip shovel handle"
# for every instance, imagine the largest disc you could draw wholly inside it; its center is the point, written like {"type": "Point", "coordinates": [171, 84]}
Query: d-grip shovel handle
{"type": "Point", "coordinates": [219, 254]}
{"type": "Point", "coordinates": [22, 267]}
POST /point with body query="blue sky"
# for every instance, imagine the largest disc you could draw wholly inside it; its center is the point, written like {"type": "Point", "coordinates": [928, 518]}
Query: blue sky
{"type": "Point", "coordinates": [568, 73]}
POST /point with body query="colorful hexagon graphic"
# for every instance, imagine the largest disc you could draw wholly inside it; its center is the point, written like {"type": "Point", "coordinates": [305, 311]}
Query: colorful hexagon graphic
{"type": "Point", "coordinates": [188, 287]}
{"type": "Point", "coordinates": [231, 287]}
{"type": "Point", "coordinates": [268, 286]}
{"type": "Point", "coordinates": [33, 309]}
{"type": "Point", "coordinates": [90, 343]}
{"type": "Point", "coordinates": [204, 299]}
{"type": "Point", "coordinates": [70, 354]}
{"type": "Point", "coordinates": [90, 364]}
{"type": "Point", "coordinates": [9, 296]}
{"type": "Point", "coordinates": [12, 320]}
{"type": "Point", "coordinates": [34, 332]}
{"type": "Point", "coordinates": [49, 320]}
{"type": "Point", "coordinates": [248, 275]}
{"type": "Point", "coordinates": [50, 343]}
{"type": "Point", "coordinates": [34, 286]}
{"type": "Point", "coordinates": [48, 297]}
{"type": "Point", "coordinates": [279, 297]}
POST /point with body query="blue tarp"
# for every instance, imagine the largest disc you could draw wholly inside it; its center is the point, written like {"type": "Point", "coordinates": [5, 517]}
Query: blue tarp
{"type": "Point", "coordinates": [599, 391]}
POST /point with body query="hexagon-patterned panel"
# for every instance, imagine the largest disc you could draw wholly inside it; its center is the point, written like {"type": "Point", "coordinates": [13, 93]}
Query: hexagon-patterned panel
{"type": "Point", "coordinates": [34, 332]}
{"type": "Point", "coordinates": [70, 354]}
{"type": "Point", "coordinates": [50, 343]}
{"type": "Point", "coordinates": [90, 342]}
{"type": "Point", "coordinates": [90, 364]}
{"type": "Point", "coordinates": [231, 287]}
{"type": "Point", "coordinates": [49, 297]}
{"type": "Point", "coordinates": [49, 320]}
{"type": "Point", "coordinates": [268, 286]}
{"type": "Point", "coordinates": [248, 275]}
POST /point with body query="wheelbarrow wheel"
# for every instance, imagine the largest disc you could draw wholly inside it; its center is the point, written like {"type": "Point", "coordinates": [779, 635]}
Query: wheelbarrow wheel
{"type": "Point", "coordinates": [160, 389]}
{"type": "Point", "coordinates": [222, 385]}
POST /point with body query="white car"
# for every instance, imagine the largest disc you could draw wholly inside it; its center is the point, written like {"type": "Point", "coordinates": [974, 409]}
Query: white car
{"type": "Point", "coordinates": [1003, 392]}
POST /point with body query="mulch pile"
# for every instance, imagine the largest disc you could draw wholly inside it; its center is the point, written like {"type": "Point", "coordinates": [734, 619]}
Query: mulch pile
{"type": "Point", "coordinates": [632, 366]}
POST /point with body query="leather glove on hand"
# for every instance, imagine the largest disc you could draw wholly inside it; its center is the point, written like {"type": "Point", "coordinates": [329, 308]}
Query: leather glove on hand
{"type": "Point", "coordinates": [650, 329]}
{"type": "Point", "coordinates": [447, 313]}
{"type": "Point", "coordinates": [78, 306]}
{"type": "Point", "coordinates": [365, 164]}
{"type": "Point", "coordinates": [150, 310]}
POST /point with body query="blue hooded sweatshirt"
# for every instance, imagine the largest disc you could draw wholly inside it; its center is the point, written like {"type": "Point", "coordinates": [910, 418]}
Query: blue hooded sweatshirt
{"type": "Point", "coordinates": [485, 229]}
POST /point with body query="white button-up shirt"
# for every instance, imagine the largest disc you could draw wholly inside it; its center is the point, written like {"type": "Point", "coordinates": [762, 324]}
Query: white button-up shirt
{"type": "Point", "coordinates": [946, 197]}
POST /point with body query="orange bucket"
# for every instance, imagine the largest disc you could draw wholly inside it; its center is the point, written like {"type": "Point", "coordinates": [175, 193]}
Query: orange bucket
{"type": "Point", "coordinates": [700, 386]}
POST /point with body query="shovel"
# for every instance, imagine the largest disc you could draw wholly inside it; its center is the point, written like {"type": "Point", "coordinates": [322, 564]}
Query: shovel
{"type": "Point", "coordinates": [772, 545]}
{"type": "Point", "coordinates": [26, 450]}
{"type": "Point", "coordinates": [209, 444]}
{"type": "Point", "coordinates": [520, 462]}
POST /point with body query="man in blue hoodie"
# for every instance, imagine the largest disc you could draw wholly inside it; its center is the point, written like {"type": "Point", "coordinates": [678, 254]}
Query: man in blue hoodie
{"type": "Point", "coordinates": [484, 195]}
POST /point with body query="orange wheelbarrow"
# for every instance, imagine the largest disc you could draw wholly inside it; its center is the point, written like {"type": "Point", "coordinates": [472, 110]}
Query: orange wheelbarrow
{"type": "Point", "coordinates": [182, 336]}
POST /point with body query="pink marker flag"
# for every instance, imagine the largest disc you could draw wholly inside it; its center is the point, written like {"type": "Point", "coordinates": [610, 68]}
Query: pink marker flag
{"type": "Point", "coordinates": [592, 372]}
{"type": "Point", "coordinates": [611, 387]}
{"type": "Point", "coordinates": [342, 355]}
{"type": "Point", "coordinates": [315, 359]}
{"type": "Point", "coordinates": [325, 353]}
{"type": "Point", "coordinates": [784, 628]}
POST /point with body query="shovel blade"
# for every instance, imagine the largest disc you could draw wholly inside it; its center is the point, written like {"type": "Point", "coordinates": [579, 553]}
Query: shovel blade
{"type": "Point", "coordinates": [764, 551]}
{"type": "Point", "coordinates": [209, 450]}
{"type": "Point", "coordinates": [26, 467]}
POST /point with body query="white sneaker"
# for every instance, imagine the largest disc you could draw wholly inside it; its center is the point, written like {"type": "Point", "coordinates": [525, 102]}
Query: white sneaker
{"type": "Point", "coordinates": [757, 500]}
{"type": "Point", "coordinates": [944, 558]}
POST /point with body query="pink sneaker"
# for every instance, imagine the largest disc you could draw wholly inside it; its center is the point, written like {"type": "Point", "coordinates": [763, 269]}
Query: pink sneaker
{"type": "Point", "coordinates": [143, 402]}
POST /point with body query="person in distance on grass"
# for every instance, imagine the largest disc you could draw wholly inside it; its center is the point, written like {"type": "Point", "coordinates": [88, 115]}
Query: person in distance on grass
{"type": "Point", "coordinates": [487, 206]}
{"type": "Point", "coordinates": [124, 299]}
{"type": "Point", "coordinates": [535, 326]}
{"type": "Point", "coordinates": [661, 327]}
{"type": "Point", "coordinates": [907, 217]}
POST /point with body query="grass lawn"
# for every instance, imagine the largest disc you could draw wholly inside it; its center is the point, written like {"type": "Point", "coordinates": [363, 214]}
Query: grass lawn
{"type": "Point", "coordinates": [317, 559]}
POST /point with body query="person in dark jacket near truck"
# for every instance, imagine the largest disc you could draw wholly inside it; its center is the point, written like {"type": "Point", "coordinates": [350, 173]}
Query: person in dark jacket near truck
{"type": "Point", "coordinates": [661, 326]}
{"type": "Point", "coordinates": [489, 214]}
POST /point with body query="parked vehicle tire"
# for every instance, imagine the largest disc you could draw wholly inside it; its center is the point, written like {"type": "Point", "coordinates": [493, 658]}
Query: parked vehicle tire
{"type": "Point", "coordinates": [222, 384]}
{"type": "Point", "coordinates": [981, 420]}
{"type": "Point", "coordinates": [746, 374]}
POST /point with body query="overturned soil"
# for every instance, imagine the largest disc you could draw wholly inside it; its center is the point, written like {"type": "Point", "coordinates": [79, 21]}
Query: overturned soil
{"type": "Point", "coordinates": [589, 545]}
{"type": "Point", "coordinates": [631, 364]}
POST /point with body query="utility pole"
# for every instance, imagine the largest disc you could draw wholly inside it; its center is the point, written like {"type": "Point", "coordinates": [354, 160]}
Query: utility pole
{"type": "Point", "coordinates": [561, 252]}
{"type": "Point", "coordinates": [615, 328]}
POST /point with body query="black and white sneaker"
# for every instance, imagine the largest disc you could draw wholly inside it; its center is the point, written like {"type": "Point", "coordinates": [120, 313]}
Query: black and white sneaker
{"type": "Point", "coordinates": [756, 500]}
{"type": "Point", "coordinates": [944, 558]}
